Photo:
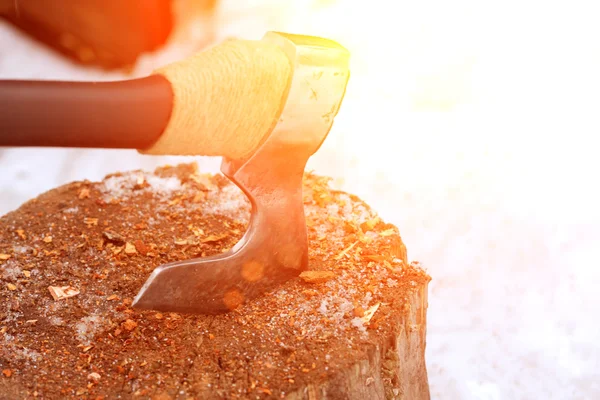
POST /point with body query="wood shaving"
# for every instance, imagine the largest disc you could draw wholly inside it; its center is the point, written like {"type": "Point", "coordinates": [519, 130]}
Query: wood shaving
{"type": "Point", "coordinates": [11, 286]}
{"type": "Point", "coordinates": [317, 276]}
{"type": "Point", "coordinates": [4, 256]}
{"type": "Point", "coordinates": [369, 313]}
{"type": "Point", "coordinates": [345, 251]}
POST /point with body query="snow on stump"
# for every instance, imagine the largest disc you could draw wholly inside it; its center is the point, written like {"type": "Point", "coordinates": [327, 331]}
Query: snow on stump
{"type": "Point", "coordinates": [353, 327]}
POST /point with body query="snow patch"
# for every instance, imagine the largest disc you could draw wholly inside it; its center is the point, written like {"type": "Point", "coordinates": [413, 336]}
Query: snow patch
{"type": "Point", "coordinates": [89, 327]}
{"type": "Point", "coordinates": [359, 324]}
{"type": "Point", "coordinates": [21, 249]}
{"type": "Point", "coordinates": [164, 186]}
{"type": "Point", "coordinates": [323, 307]}
{"type": "Point", "coordinates": [123, 186]}
{"type": "Point", "coordinates": [10, 270]}
{"type": "Point", "coordinates": [56, 321]}
{"type": "Point", "coordinates": [232, 203]}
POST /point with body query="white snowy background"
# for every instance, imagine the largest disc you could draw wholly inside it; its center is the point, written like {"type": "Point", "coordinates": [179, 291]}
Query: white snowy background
{"type": "Point", "coordinates": [474, 127]}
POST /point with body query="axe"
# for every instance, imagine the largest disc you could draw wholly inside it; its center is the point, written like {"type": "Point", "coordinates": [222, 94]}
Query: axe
{"type": "Point", "coordinates": [265, 106]}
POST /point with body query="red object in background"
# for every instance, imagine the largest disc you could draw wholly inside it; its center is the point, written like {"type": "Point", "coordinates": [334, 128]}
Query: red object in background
{"type": "Point", "coordinates": [110, 33]}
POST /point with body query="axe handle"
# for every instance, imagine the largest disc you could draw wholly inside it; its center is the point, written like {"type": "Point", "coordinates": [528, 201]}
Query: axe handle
{"type": "Point", "coordinates": [224, 101]}
{"type": "Point", "coordinates": [126, 114]}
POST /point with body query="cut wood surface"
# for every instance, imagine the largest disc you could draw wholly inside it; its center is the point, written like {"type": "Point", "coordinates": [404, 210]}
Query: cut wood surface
{"type": "Point", "coordinates": [72, 260]}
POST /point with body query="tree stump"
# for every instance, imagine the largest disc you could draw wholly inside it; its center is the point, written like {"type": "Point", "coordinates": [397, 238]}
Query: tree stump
{"type": "Point", "coordinates": [353, 327]}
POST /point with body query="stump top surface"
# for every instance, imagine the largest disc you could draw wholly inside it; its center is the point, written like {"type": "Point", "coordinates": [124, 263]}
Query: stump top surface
{"type": "Point", "coordinates": [103, 240]}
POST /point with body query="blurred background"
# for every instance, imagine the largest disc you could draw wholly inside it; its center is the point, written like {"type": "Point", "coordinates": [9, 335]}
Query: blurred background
{"type": "Point", "coordinates": [471, 125]}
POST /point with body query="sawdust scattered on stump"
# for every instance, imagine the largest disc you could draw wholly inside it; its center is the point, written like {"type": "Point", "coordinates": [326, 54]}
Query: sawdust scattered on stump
{"type": "Point", "coordinates": [107, 237]}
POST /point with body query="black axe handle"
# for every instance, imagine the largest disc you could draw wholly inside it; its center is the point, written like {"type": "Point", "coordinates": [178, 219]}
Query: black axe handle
{"type": "Point", "coordinates": [127, 114]}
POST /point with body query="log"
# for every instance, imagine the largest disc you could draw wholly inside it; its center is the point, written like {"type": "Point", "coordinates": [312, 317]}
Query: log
{"type": "Point", "coordinates": [71, 260]}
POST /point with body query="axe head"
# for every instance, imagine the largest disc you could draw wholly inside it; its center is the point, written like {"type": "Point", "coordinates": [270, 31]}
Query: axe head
{"type": "Point", "coordinates": [274, 249]}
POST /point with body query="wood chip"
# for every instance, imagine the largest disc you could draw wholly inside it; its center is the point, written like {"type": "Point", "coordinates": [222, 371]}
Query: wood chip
{"type": "Point", "coordinates": [94, 376]}
{"type": "Point", "coordinates": [11, 287]}
{"type": "Point", "coordinates": [388, 232]}
{"type": "Point", "coordinates": [141, 247]}
{"type": "Point", "coordinates": [62, 292]}
{"type": "Point", "coordinates": [204, 181]}
{"type": "Point", "coordinates": [84, 193]}
{"type": "Point", "coordinates": [27, 274]}
{"type": "Point", "coordinates": [112, 297]}
{"type": "Point", "coordinates": [181, 242]}
{"type": "Point", "coordinates": [129, 325]}
{"type": "Point", "coordinates": [374, 257]}
{"type": "Point", "coordinates": [370, 224]}
{"type": "Point", "coordinates": [317, 276]}
{"type": "Point", "coordinates": [114, 238]}
{"type": "Point", "coordinates": [7, 373]}
{"type": "Point", "coordinates": [369, 313]}
{"type": "Point", "coordinates": [5, 256]}
{"type": "Point", "coordinates": [31, 321]}
{"type": "Point", "coordinates": [196, 231]}
{"type": "Point", "coordinates": [130, 249]}
{"type": "Point", "coordinates": [359, 312]}
{"type": "Point", "coordinates": [214, 238]}
{"type": "Point", "coordinates": [21, 234]}
{"type": "Point", "coordinates": [48, 239]}
{"type": "Point", "coordinates": [90, 221]}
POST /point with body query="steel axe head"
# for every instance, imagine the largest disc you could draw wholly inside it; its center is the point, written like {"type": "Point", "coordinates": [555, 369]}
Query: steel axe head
{"type": "Point", "coordinates": [275, 246]}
